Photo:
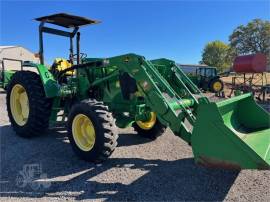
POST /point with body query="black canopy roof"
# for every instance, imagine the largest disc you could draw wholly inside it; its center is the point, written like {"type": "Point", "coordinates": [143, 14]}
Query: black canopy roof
{"type": "Point", "coordinates": [67, 20]}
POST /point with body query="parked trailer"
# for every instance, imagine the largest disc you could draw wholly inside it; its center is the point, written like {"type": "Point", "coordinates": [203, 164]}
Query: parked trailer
{"type": "Point", "coordinates": [251, 76]}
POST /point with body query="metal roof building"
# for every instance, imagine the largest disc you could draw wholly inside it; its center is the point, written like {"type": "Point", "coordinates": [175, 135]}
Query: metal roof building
{"type": "Point", "coordinates": [18, 53]}
{"type": "Point", "coordinates": [190, 68]}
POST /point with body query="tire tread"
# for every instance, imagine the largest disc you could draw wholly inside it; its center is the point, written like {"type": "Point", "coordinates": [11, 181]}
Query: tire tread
{"type": "Point", "coordinates": [40, 106]}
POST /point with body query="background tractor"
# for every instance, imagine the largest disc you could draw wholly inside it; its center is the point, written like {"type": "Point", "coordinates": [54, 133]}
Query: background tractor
{"type": "Point", "coordinates": [5, 75]}
{"type": "Point", "coordinates": [205, 77]}
{"type": "Point", "coordinates": [97, 95]}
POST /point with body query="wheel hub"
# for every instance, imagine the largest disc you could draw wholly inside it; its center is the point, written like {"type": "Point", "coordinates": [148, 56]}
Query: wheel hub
{"type": "Point", "coordinates": [147, 125]}
{"type": "Point", "coordinates": [83, 132]}
{"type": "Point", "coordinates": [217, 86]}
{"type": "Point", "coordinates": [19, 104]}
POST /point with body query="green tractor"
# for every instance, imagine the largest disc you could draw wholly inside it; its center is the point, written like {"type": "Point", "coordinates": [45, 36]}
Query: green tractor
{"type": "Point", "coordinates": [97, 95]}
{"type": "Point", "coordinates": [204, 77]}
{"type": "Point", "coordinates": [5, 75]}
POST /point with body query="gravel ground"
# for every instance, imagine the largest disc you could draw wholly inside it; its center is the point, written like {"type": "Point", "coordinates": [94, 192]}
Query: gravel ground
{"type": "Point", "coordinates": [138, 170]}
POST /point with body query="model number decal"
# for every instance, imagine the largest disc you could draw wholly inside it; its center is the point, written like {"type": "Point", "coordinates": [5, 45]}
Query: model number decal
{"type": "Point", "coordinates": [47, 75]}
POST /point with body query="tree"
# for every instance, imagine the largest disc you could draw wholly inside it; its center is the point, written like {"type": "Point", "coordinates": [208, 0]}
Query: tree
{"type": "Point", "coordinates": [216, 54]}
{"type": "Point", "coordinates": [252, 38]}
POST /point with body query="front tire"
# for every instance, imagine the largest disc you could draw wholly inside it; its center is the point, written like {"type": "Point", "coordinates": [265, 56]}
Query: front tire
{"type": "Point", "coordinates": [91, 131]}
{"type": "Point", "coordinates": [151, 129]}
{"type": "Point", "coordinates": [28, 108]}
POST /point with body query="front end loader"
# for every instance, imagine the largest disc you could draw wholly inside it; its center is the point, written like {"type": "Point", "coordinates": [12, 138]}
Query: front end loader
{"type": "Point", "coordinates": [97, 94]}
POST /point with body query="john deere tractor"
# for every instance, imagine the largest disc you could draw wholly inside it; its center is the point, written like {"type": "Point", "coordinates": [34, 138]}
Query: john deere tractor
{"type": "Point", "coordinates": [5, 75]}
{"type": "Point", "coordinates": [96, 95]}
{"type": "Point", "coordinates": [204, 77]}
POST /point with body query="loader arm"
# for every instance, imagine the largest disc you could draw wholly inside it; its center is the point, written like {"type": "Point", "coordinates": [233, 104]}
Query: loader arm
{"type": "Point", "coordinates": [172, 110]}
{"type": "Point", "coordinates": [221, 134]}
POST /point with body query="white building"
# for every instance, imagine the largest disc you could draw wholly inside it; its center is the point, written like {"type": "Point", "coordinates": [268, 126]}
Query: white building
{"type": "Point", "coordinates": [190, 68]}
{"type": "Point", "coordinates": [18, 53]}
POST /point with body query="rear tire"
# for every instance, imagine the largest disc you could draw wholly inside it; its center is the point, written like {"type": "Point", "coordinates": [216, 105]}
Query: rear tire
{"type": "Point", "coordinates": [39, 107]}
{"type": "Point", "coordinates": [97, 145]}
{"type": "Point", "coordinates": [216, 86]}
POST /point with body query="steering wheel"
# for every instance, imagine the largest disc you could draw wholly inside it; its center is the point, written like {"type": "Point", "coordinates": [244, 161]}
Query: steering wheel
{"type": "Point", "coordinates": [82, 56]}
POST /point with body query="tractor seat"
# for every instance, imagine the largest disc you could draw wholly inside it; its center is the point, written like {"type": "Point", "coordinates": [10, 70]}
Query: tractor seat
{"type": "Point", "coordinates": [61, 64]}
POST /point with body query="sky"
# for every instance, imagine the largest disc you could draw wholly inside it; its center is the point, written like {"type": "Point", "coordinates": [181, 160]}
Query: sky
{"type": "Point", "coordinates": [176, 30]}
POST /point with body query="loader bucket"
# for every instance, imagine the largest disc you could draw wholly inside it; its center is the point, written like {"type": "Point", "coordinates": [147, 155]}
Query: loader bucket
{"type": "Point", "coordinates": [232, 134]}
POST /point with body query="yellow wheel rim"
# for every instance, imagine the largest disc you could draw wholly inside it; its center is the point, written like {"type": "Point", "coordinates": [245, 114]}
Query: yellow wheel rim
{"type": "Point", "coordinates": [19, 104]}
{"type": "Point", "coordinates": [217, 86]}
{"type": "Point", "coordinates": [147, 125]}
{"type": "Point", "coordinates": [83, 132]}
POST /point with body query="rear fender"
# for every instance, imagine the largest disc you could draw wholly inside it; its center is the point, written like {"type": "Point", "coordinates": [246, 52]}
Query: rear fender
{"type": "Point", "coordinates": [50, 85]}
{"type": "Point", "coordinates": [214, 78]}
